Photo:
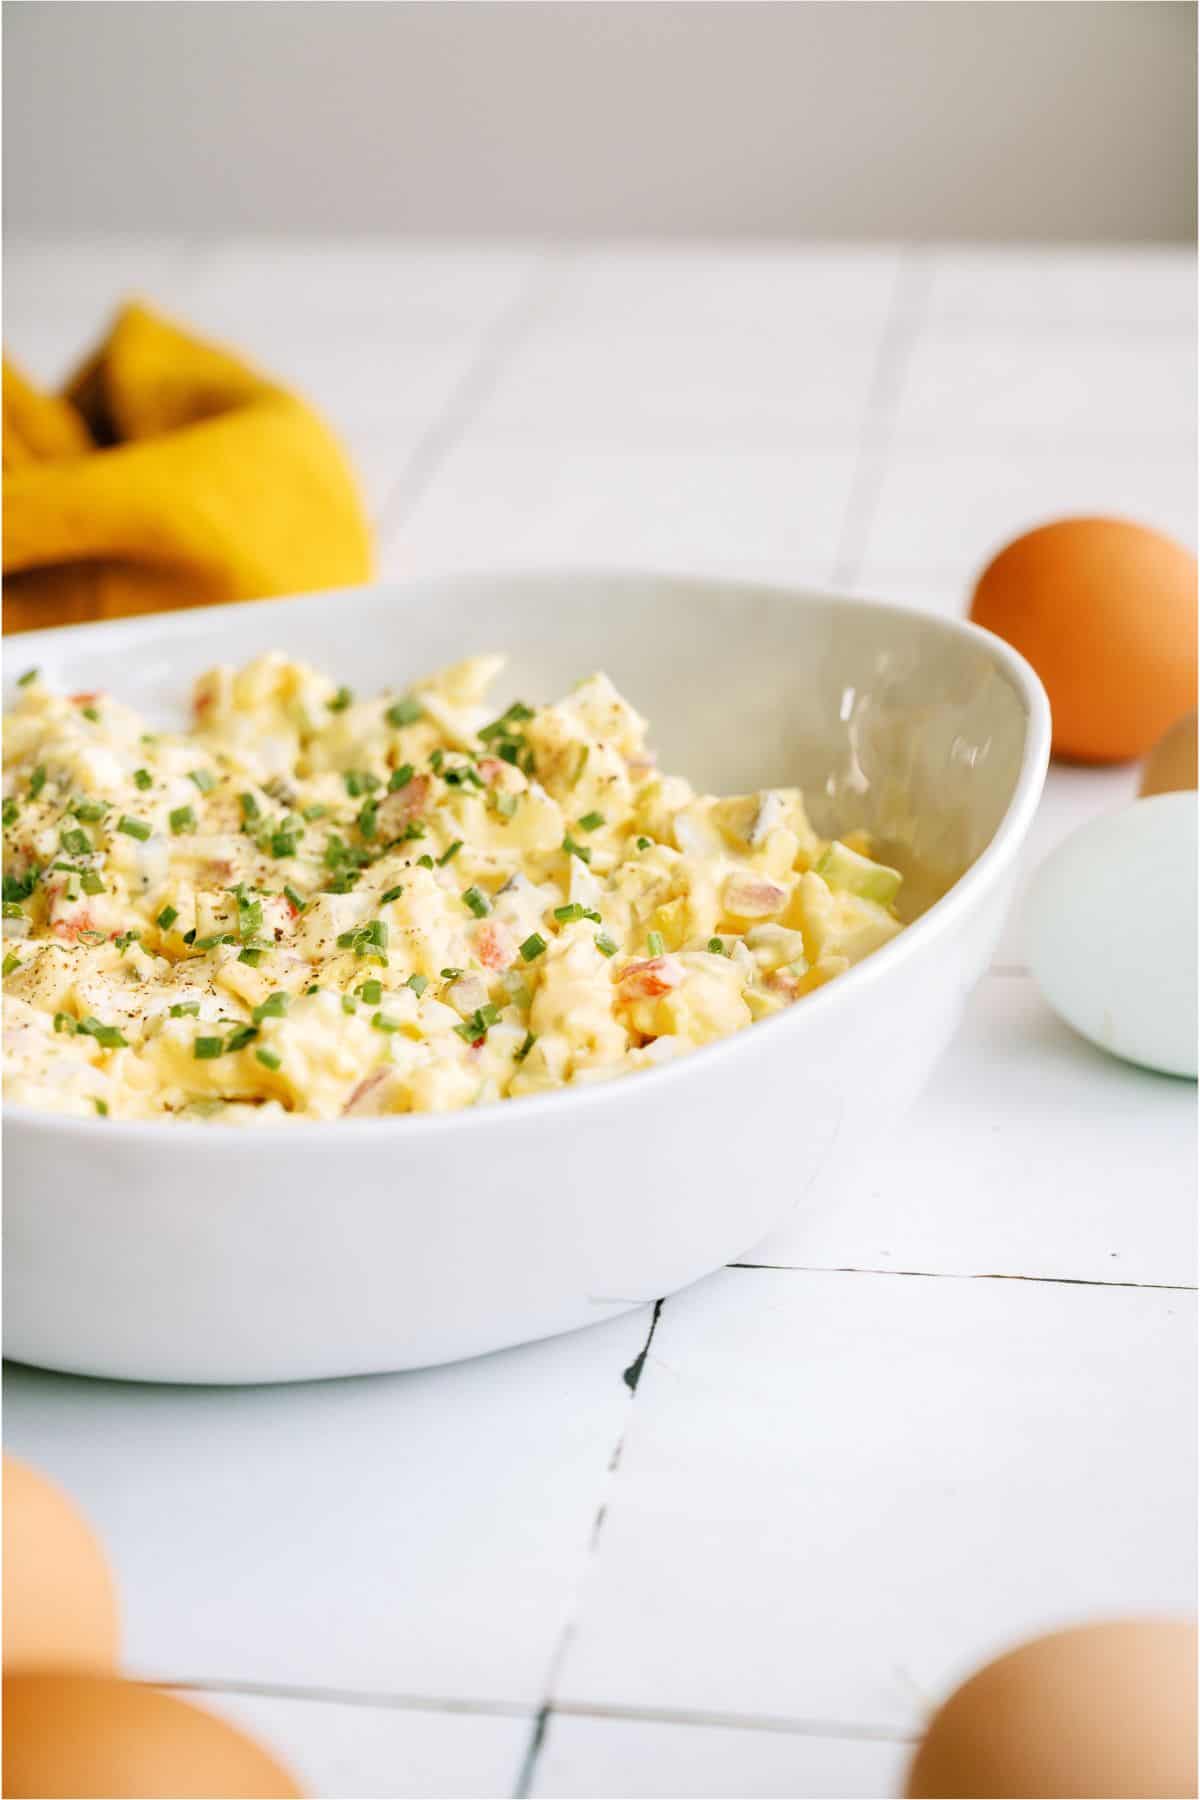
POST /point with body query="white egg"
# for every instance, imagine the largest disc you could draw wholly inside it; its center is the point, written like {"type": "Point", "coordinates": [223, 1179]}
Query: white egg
{"type": "Point", "coordinates": [1110, 932]}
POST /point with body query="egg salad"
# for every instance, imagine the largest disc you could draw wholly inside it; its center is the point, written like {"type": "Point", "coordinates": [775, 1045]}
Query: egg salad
{"type": "Point", "coordinates": [317, 905]}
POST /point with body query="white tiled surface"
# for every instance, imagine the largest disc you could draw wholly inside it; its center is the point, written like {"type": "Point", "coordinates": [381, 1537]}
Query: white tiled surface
{"type": "Point", "coordinates": [369, 1751]}
{"type": "Point", "coordinates": [651, 1760]}
{"type": "Point", "coordinates": [849, 1471]}
{"type": "Point", "coordinates": [842, 1490]}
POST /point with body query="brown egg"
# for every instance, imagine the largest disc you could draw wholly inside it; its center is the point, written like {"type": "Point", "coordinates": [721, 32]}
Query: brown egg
{"type": "Point", "coordinates": [1103, 1709]}
{"type": "Point", "coordinates": [60, 1606]}
{"type": "Point", "coordinates": [91, 1735]}
{"type": "Point", "coordinates": [1106, 613]}
{"type": "Point", "coordinates": [1171, 765]}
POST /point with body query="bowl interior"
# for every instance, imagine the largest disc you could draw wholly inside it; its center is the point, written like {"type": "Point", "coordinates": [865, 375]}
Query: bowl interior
{"type": "Point", "coordinates": [887, 719]}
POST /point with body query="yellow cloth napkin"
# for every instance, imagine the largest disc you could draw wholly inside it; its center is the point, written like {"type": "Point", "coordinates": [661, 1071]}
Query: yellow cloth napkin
{"type": "Point", "coordinates": [168, 474]}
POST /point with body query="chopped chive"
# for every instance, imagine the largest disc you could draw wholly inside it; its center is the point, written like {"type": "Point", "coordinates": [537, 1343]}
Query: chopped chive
{"type": "Point", "coordinates": [371, 992]}
{"type": "Point", "coordinates": [644, 843]}
{"type": "Point", "coordinates": [574, 849]}
{"type": "Point", "coordinates": [400, 778]}
{"type": "Point", "coordinates": [126, 938]}
{"type": "Point", "coordinates": [143, 779]}
{"type": "Point", "coordinates": [717, 946]}
{"type": "Point", "coordinates": [37, 781]}
{"type": "Point", "coordinates": [449, 974]}
{"type": "Point", "coordinates": [182, 1008]}
{"type": "Point", "coordinates": [393, 893]}
{"type": "Point", "coordinates": [366, 940]}
{"type": "Point", "coordinates": [189, 937]}
{"type": "Point", "coordinates": [92, 713]}
{"type": "Point", "coordinates": [476, 901]}
{"type": "Point", "coordinates": [269, 1059]}
{"type": "Point", "coordinates": [210, 943]}
{"type": "Point", "coordinates": [425, 862]}
{"type": "Point", "coordinates": [502, 727]}
{"type": "Point", "coordinates": [64, 1022]}
{"type": "Point", "coordinates": [25, 679]}
{"type": "Point", "coordinates": [654, 943]}
{"type": "Point", "coordinates": [479, 1023]}
{"type": "Point", "coordinates": [605, 944]}
{"type": "Point", "coordinates": [368, 819]}
{"type": "Point", "coordinates": [75, 842]}
{"type": "Point", "coordinates": [404, 712]}
{"type": "Point", "coordinates": [108, 1036]}
{"type": "Point", "coordinates": [591, 821]}
{"type": "Point", "coordinates": [463, 776]}
{"type": "Point", "coordinates": [12, 910]}
{"type": "Point", "coordinates": [418, 984]}
{"type": "Point", "coordinates": [101, 1106]}
{"type": "Point", "coordinates": [533, 946]}
{"type": "Point", "coordinates": [314, 989]}
{"type": "Point", "coordinates": [273, 1007]}
{"type": "Point", "coordinates": [526, 1047]}
{"type": "Point", "coordinates": [341, 700]}
{"type": "Point", "coordinates": [12, 811]}
{"type": "Point", "coordinates": [182, 819]}
{"type": "Point", "coordinates": [283, 843]}
{"type": "Point", "coordinates": [89, 810]}
{"type": "Point", "coordinates": [240, 1036]}
{"type": "Point", "coordinates": [355, 782]}
{"type": "Point", "coordinates": [134, 828]}
{"type": "Point", "coordinates": [349, 1003]}
{"type": "Point", "coordinates": [204, 1049]}
{"type": "Point", "coordinates": [381, 1022]}
{"type": "Point", "coordinates": [315, 811]}
{"type": "Point", "coordinates": [293, 898]}
{"type": "Point", "coordinates": [436, 759]}
{"type": "Point", "coordinates": [249, 913]}
{"type": "Point", "coordinates": [450, 854]}
{"type": "Point", "coordinates": [166, 918]}
{"type": "Point", "coordinates": [251, 810]}
{"type": "Point", "coordinates": [19, 887]}
{"type": "Point", "coordinates": [567, 915]}
{"type": "Point", "coordinates": [12, 961]}
{"type": "Point", "coordinates": [505, 804]}
{"type": "Point", "coordinates": [252, 954]}
{"type": "Point", "coordinates": [204, 779]}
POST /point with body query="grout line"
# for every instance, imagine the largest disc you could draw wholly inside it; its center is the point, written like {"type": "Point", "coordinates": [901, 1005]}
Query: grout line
{"type": "Point", "coordinates": [533, 1754]}
{"type": "Point", "coordinates": [900, 331]}
{"type": "Point", "coordinates": [508, 1709]}
{"type": "Point", "coordinates": [333, 1696]}
{"type": "Point", "coordinates": [501, 338]}
{"type": "Point", "coordinates": [672, 1715]}
{"type": "Point", "coordinates": [1157, 1287]}
{"type": "Point", "coordinates": [541, 1724]}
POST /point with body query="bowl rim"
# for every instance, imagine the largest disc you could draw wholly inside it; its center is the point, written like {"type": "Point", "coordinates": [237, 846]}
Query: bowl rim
{"type": "Point", "coordinates": [565, 1102]}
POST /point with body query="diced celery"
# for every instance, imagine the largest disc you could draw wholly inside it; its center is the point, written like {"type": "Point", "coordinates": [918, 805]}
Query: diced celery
{"type": "Point", "coordinates": [846, 871]}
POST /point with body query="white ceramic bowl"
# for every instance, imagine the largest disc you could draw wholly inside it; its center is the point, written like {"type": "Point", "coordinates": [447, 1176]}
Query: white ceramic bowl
{"type": "Point", "coordinates": [188, 1252]}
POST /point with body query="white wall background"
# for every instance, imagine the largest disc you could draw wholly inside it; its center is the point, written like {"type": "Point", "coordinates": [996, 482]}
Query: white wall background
{"type": "Point", "coordinates": [969, 120]}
